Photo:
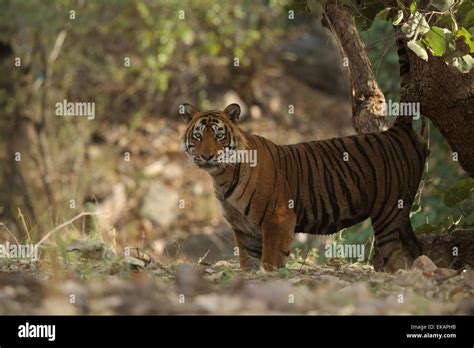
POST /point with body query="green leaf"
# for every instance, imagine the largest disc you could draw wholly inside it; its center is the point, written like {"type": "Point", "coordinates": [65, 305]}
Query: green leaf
{"type": "Point", "coordinates": [383, 14]}
{"type": "Point", "coordinates": [438, 191]}
{"type": "Point", "coordinates": [468, 21]}
{"type": "Point", "coordinates": [398, 18]}
{"type": "Point", "coordinates": [470, 219]}
{"type": "Point", "coordinates": [435, 41]}
{"type": "Point", "coordinates": [458, 193]}
{"type": "Point", "coordinates": [415, 25]}
{"type": "Point", "coordinates": [467, 38]}
{"type": "Point", "coordinates": [418, 48]}
{"type": "Point", "coordinates": [413, 7]}
{"type": "Point", "coordinates": [446, 224]}
{"type": "Point", "coordinates": [464, 64]}
{"type": "Point", "coordinates": [442, 5]}
{"type": "Point", "coordinates": [426, 228]}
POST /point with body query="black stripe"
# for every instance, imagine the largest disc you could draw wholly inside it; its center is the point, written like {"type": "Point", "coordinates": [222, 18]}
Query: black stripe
{"type": "Point", "coordinates": [342, 180]}
{"type": "Point", "coordinates": [245, 187]}
{"type": "Point", "coordinates": [328, 180]}
{"type": "Point", "coordinates": [311, 188]}
{"type": "Point", "coordinates": [387, 184]}
{"type": "Point", "coordinates": [264, 212]}
{"type": "Point", "coordinates": [369, 164]}
{"type": "Point", "coordinates": [247, 208]}
{"type": "Point", "coordinates": [324, 217]}
{"type": "Point", "coordinates": [235, 182]}
{"type": "Point", "coordinates": [298, 170]}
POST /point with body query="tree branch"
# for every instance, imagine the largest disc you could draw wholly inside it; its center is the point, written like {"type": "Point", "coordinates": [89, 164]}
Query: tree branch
{"type": "Point", "coordinates": [367, 98]}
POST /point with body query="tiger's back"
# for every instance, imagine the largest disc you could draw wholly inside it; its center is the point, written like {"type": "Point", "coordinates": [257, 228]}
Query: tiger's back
{"type": "Point", "coordinates": [337, 183]}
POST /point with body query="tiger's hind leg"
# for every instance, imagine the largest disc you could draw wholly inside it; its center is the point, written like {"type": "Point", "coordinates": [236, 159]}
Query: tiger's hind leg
{"type": "Point", "coordinates": [396, 246]}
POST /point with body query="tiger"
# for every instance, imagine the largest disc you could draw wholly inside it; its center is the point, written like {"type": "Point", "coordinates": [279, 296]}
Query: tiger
{"type": "Point", "coordinates": [317, 187]}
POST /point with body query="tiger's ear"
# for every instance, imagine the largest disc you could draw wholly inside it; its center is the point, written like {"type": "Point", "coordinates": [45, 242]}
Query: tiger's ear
{"type": "Point", "coordinates": [232, 111]}
{"type": "Point", "coordinates": [188, 111]}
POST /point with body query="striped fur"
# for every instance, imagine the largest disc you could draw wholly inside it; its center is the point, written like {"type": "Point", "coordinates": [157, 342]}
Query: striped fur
{"type": "Point", "coordinates": [404, 66]}
{"type": "Point", "coordinates": [311, 188]}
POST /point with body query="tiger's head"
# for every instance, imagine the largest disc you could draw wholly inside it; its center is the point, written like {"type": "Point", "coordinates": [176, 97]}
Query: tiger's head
{"type": "Point", "coordinates": [209, 133]}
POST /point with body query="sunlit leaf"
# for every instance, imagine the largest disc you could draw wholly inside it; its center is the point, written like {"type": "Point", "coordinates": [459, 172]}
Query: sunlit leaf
{"type": "Point", "coordinates": [398, 18]}
{"type": "Point", "coordinates": [418, 48]}
{"type": "Point", "coordinates": [436, 41]}
{"type": "Point", "coordinates": [462, 32]}
{"type": "Point", "coordinates": [415, 25]}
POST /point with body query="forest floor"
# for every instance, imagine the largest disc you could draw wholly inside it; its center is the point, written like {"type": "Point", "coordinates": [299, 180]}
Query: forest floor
{"type": "Point", "coordinates": [138, 285]}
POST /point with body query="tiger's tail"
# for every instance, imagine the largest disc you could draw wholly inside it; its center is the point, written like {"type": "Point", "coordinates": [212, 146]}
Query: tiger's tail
{"type": "Point", "coordinates": [404, 65]}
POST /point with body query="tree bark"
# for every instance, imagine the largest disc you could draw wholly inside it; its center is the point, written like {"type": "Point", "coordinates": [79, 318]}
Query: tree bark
{"type": "Point", "coordinates": [367, 99]}
{"type": "Point", "coordinates": [446, 97]}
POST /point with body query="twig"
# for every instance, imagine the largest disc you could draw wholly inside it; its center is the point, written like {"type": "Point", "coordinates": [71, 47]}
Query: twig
{"type": "Point", "coordinates": [57, 228]}
{"type": "Point", "coordinates": [9, 232]}
{"type": "Point", "coordinates": [201, 259]}
{"type": "Point", "coordinates": [24, 224]}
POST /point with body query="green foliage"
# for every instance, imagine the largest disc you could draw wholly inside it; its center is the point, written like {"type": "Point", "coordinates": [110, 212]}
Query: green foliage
{"type": "Point", "coordinates": [458, 193]}
{"type": "Point", "coordinates": [172, 46]}
{"type": "Point", "coordinates": [449, 34]}
{"type": "Point", "coordinates": [435, 39]}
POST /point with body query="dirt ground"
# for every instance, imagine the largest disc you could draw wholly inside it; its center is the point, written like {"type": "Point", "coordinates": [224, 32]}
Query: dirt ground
{"type": "Point", "coordinates": [139, 285]}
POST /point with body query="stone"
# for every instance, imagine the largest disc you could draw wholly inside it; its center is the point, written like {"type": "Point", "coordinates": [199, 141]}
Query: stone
{"type": "Point", "coordinates": [425, 264]}
{"type": "Point", "coordinates": [160, 204]}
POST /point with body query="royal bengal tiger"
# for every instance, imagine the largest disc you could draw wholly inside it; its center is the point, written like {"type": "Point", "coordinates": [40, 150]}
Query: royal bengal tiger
{"type": "Point", "coordinates": [317, 187]}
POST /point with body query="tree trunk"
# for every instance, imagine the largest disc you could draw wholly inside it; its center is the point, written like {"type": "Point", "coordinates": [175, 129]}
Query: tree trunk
{"type": "Point", "coordinates": [367, 98]}
{"type": "Point", "coordinates": [446, 97]}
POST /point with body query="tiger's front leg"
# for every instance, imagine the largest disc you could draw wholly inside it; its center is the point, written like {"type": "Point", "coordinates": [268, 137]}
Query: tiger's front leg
{"type": "Point", "coordinates": [250, 249]}
{"type": "Point", "coordinates": [277, 236]}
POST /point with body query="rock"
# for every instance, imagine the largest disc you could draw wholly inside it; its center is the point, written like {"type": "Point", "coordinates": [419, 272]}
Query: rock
{"type": "Point", "coordinates": [425, 264]}
{"type": "Point", "coordinates": [444, 273]}
{"type": "Point", "coordinates": [255, 112]}
{"type": "Point", "coordinates": [190, 282]}
{"type": "Point", "coordinates": [277, 294]}
{"type": "Point", "coordinates": [113, 206]}
{"type": "Point", "coordinates": [173, 171]}
{"type": "Point", "coordinates": [465, 306]}
{"type": "Point", "coordinates": [413, 277]}
{"type": "Point", "coordinates": [469, 277]}
{"type": "Point", "coordinates": [216, 246]}
{"type": "Point", "coordinates": [154, 168]}
{"type": "Point", "coordinates": [160, 204]}
{"type": "Point", "coordinates": [453, 250]}
{"type": "Point", "coordinates": [91, 249]}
